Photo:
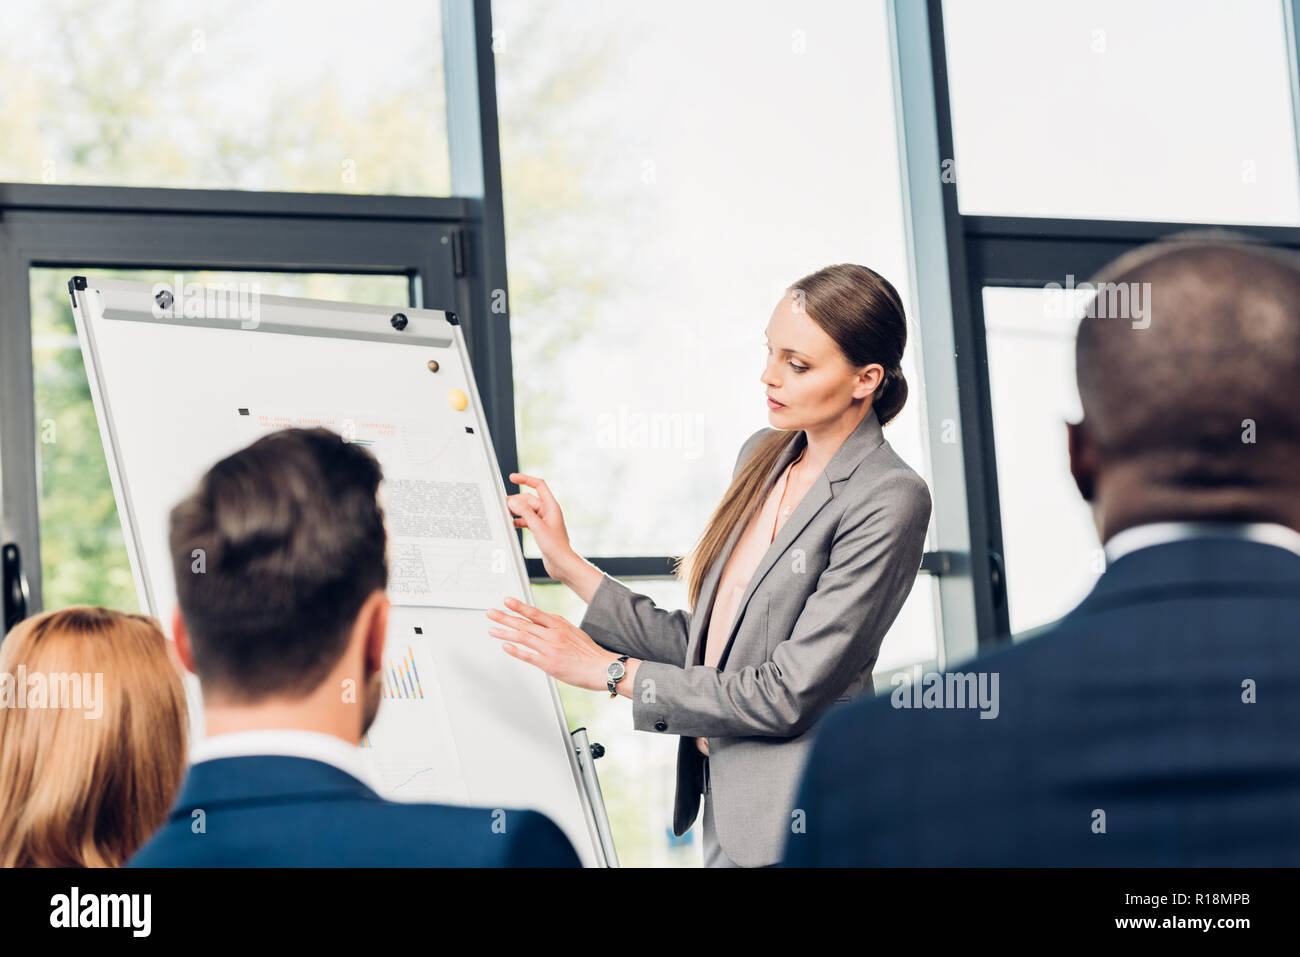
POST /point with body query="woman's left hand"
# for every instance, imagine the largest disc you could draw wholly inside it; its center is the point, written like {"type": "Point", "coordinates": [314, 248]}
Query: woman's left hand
{"type": "Point", "coordinates": [552, 643]}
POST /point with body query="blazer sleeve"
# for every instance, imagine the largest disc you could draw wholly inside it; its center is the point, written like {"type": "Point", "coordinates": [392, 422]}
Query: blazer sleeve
{"type": "Point", "coordinates": [875, 554]}
{"type": "Point", "coordinates": [629, 623]}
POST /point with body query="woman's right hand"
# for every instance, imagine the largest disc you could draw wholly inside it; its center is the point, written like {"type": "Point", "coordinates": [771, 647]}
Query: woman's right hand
{"type": "Point", "coordinates": [541, 515]}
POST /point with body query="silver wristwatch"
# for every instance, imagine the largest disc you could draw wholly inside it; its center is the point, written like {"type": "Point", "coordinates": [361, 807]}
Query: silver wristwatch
{"type": "Point", "coordinates": [614, 673]}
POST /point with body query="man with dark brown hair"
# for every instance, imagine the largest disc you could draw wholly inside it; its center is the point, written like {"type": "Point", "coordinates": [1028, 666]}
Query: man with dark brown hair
{"type": "Point", "coordinates": [280, 562]}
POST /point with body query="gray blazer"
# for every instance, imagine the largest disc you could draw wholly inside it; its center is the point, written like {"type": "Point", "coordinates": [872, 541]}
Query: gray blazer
{"type": "Point", "coordinates": [807, 633]}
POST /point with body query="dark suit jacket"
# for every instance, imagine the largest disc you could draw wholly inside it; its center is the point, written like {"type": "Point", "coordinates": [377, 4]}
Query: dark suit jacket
{"type": "Point", "coordinates": [269, 811]}
{"type": "Point", "coordinates": [1131, 705]}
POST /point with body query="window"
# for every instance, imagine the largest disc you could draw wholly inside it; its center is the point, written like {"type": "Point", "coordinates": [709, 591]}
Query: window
{"type": "Point", "coordinates": [329, 97]}
{"type": "Point", "coordinates": [662, 187]}
{"type": "Point", "coordinates": [661, 190]}
{"type": "Point", "coordinates": [1050, 544]}
{"type": "Point", "coordinates": [1163, 110]}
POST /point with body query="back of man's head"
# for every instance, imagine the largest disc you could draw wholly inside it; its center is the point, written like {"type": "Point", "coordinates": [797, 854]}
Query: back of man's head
{"type": "Point", "coordinates": [1189, 389]}
{"type": "Point", "coordinates": [274, 554]}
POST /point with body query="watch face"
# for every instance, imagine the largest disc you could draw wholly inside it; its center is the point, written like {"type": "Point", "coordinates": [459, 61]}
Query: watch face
{"type": "Point", "coordinates": [615, 670]}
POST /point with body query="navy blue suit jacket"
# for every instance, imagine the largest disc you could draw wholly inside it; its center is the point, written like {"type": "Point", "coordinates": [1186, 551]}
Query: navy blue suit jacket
{"type": "Point", "coordinates": [1131, 705]}
{"type": "Point", "coordinates": [270, 811]}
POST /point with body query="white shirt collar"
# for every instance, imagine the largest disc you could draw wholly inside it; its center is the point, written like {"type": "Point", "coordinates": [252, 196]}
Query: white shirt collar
{"type": "Point", "coordinates": [1160, 533]}
{"type": "Point", "coordinates": [314, 745]}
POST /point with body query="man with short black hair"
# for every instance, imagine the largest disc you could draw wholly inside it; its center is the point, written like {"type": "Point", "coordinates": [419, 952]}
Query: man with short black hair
{"type": "Point", "coordinates": [281, 573]}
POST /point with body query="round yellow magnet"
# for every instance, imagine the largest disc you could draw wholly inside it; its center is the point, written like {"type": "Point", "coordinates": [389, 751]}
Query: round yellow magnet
{"type": "Point", "coordinates": [458, 400]}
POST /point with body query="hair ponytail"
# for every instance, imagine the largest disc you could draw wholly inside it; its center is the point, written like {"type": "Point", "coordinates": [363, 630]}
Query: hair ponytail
{"type": "Point", "coordinates": [890, 396]}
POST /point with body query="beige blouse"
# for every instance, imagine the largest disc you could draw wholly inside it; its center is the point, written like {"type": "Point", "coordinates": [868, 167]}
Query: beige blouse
{"type": "Point", "coordinates": [749, 551]}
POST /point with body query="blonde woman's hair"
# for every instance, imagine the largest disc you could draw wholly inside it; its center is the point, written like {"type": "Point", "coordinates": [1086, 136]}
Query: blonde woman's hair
{"type": "Point", "coordinates": [863, 313]}
{"type": "Point", "coordinates": [78, 790]}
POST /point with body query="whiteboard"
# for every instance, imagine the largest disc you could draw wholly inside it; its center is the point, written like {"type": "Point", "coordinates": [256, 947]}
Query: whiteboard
{"type": "Point", "coordinates": [176, 390]}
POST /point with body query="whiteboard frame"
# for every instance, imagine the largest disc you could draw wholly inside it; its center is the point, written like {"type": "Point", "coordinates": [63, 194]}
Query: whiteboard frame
{"type": "Point", "coordinates": [329, 319]}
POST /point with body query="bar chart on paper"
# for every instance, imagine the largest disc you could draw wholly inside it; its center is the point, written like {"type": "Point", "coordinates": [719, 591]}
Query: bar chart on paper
{"type": "Point", "coordinates": [402, 678]}
{"type": "Point", "coordinates": [413, 767]}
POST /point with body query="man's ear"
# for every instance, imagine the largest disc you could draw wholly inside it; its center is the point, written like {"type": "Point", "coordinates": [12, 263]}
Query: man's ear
{"type": "Point", "coordinates": [1083, 458]}
{"type": "Point", "coordinates": [376, 610]}
{"type": "Point", "coordinates": [184, 653]}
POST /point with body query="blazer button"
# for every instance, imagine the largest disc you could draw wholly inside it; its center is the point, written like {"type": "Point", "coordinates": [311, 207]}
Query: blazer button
{"type": "Point", "coordinates": [661, 726]}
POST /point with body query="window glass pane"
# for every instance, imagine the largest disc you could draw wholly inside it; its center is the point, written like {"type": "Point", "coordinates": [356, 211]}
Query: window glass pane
{"type": "Point", "coordinates": [661, 190]}
{"type": "Point", "coordinates": [662, 186]}
{"type": "Point", "coordinates": [83, 556]}
{"type": "Point", "coordinates": [326, 97]}
{"type": "Point", "coordinates": [1052, 552]}
{"type": "Point", "coordinates": [1171, 110]}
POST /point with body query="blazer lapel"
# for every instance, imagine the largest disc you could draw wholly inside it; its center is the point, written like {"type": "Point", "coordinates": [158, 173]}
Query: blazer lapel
{"type": "Point", "coordinates": [866, 437]}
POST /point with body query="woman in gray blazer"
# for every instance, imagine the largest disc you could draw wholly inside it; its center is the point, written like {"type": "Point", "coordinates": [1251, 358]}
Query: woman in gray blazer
{"type": "Point", "coordinates": [793, 584]}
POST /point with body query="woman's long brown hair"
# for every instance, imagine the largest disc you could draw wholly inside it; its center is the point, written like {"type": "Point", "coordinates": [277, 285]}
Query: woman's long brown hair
{"type": "Point", "coordinates": [79, 790]}
{"type": "Point", "coordinates": [862, 312]}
